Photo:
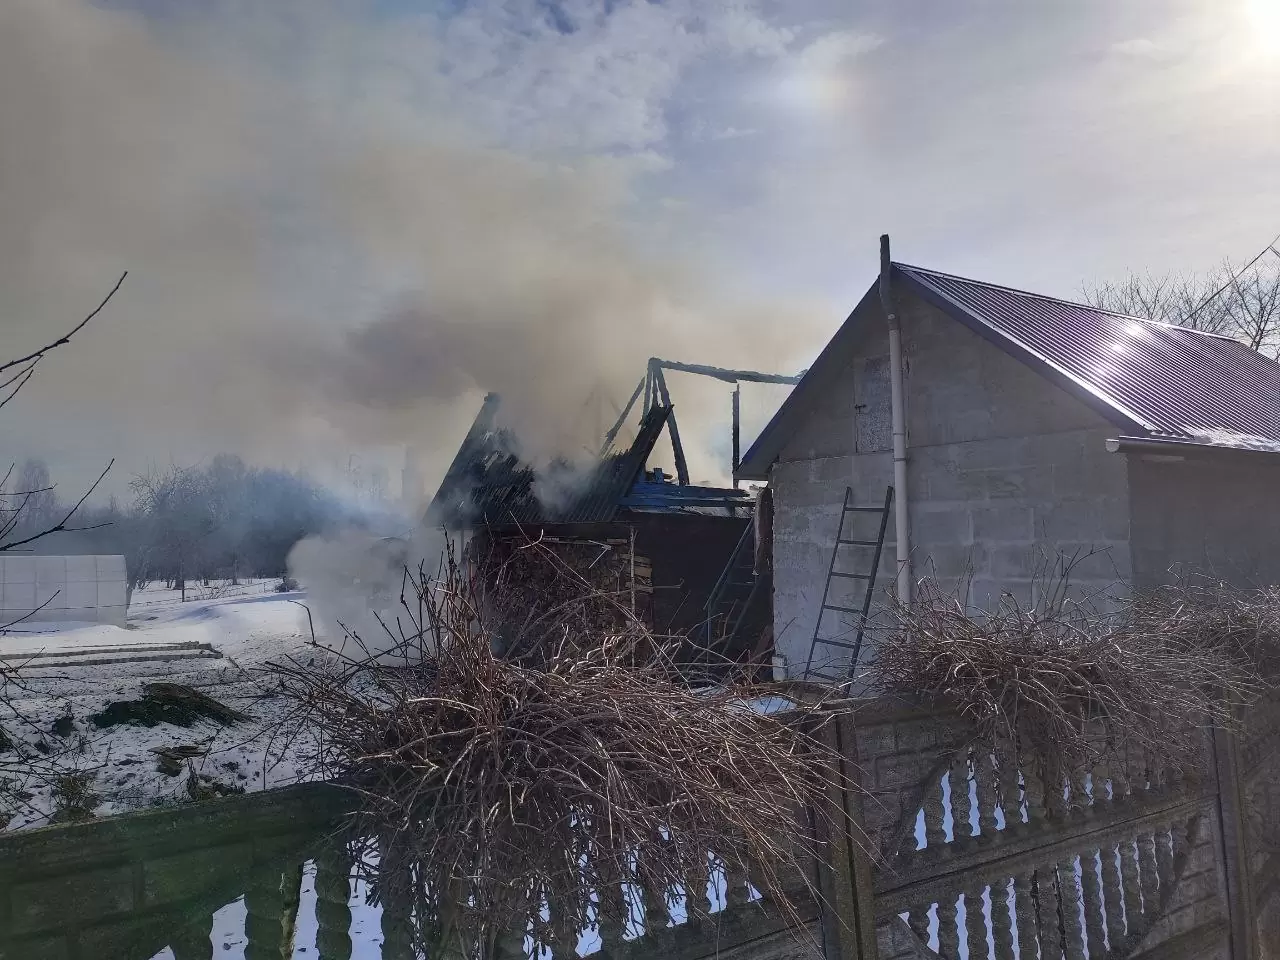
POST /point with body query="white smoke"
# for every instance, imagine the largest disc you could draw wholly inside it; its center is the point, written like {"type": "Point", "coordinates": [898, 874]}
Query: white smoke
{"type": "Point", "coordinates": [360, 600]}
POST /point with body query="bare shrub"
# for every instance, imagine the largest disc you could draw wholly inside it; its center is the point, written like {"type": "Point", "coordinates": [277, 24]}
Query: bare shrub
{"type": "Point", "coordinates": [1242, 626]}
{"type": "Point", "coordinates": [1050, 676]}
{"type": "Point", "coordinates": [505, 795]}
{"type": "Point", "coordinates": [74, 797]}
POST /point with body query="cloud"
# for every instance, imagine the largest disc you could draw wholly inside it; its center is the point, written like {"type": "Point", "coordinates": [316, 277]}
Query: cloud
{"type": "Point", "coordinates": [835, 50]}
{"type": "Point", "coordinates": [822, 76]}
{"type": "Point", "coordinates": [606, 84]}
{"type": "Point", "coordinates": [1143, 48]}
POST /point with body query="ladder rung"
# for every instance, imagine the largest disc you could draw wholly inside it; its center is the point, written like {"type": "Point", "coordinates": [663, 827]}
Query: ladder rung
{"type": "Point", "coordinates": [832, 606]}
{"type": "Point", "coordinates": [851, 576]}
{"type": "Point", "coordinates": [866, 509]}
{"type": "Point", "coordinates": [838, 643]}
{"type": "Point", "coordinates": [861, 543]}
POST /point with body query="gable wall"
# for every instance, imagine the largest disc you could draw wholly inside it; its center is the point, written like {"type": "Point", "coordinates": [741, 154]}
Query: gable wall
{"type": "Point", "coordinates": [1003, 467]}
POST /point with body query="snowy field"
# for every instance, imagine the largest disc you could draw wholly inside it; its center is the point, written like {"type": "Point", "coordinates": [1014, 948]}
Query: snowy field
{"type": "Point", "coordinates": [77, 669]}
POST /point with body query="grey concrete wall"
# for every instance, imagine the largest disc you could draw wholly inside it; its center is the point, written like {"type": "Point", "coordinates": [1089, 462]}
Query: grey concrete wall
{"type": "Point", "coordinates": [1219, 517]}
{"type": "Point", "coordinates": [1005, 469]}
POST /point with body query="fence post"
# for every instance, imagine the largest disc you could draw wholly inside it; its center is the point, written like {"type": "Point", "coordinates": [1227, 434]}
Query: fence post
{"type": "Point", "coordinates": [844, 880]}
{"type": "Point", "coordinates": [1233, 853]}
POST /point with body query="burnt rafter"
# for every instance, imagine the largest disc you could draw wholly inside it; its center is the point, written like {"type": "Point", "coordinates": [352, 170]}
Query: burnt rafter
{"type": "Point", "coordinates": [653, 388]}
{"type": "Point", "coordinates": [489, 483]}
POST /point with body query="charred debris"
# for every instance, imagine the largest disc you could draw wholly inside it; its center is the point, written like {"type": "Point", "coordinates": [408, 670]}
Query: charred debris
{"type": "Point", "coordinates": [690, 561]}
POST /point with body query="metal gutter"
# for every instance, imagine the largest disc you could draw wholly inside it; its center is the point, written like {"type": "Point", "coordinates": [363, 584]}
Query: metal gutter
{"type": "Point", "coordinates": [899, 419]}
{"type": "Point", "coordinates": [1190, 450]}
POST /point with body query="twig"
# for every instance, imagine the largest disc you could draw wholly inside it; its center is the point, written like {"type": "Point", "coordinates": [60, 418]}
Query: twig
{"type": "Point", "coordinates": [61, 526]}
{"type": "Point", "coordinates": [66, 337]}
{"type": "Point", "coordinates": [310, 622]}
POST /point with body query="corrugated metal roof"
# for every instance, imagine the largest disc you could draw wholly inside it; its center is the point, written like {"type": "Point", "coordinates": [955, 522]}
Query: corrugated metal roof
{"type": "Point", "coordinates": [1149, 379]}
{"type": "Point", "coordinates": [1162, 380]}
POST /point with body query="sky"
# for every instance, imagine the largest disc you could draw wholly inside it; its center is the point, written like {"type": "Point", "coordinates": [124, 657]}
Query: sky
{"type": "Point", "coordinates": [345, 221]}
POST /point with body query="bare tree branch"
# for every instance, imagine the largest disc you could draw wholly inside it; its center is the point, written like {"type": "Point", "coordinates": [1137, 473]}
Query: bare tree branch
{"type": "Point", "coordinates": [1243, 302]}
{"type": "Point", "coordinates": [21, 378]}
{"type": "Point", "coordinates": [1234, 277]}
{"type": "Point", "coordinates": [28, 616]}
{"type": "Point", "coordinates": [61, 527]}
{"type": "Point", "coordinates": [66, 337]}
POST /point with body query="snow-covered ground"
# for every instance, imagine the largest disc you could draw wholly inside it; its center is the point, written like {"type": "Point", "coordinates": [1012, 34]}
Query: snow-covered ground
{"type": "Point", "coordinates": [77, 669]}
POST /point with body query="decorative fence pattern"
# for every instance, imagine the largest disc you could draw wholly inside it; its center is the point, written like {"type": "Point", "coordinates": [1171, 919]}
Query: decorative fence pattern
{"type": "Point", "coordinates": [977, 857]}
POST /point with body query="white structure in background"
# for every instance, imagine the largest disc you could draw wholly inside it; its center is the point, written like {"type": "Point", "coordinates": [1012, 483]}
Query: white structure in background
{"type": "Point", "coordinates": [84, 589]}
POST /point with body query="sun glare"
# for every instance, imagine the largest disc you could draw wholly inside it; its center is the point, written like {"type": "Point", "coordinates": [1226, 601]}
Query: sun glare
{"type": "Point", "coordinates": [1263, 20]}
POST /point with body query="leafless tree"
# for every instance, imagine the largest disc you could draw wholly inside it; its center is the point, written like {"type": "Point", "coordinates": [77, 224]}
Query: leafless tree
{"type": "Point", "coordinates": [33, 497]}
{"type": "Point", "coordinates": [176, 505]}
{"type": "Point", "coordinates": [1237, 301]}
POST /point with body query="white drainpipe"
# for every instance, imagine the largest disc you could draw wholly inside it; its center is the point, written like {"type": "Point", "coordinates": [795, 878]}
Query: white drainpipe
{"type": "Point", "coordinates": [899, 416]}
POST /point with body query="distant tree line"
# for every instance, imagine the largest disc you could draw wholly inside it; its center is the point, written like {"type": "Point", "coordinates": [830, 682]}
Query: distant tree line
{"type": "Point", "coordinates": [223, 520]}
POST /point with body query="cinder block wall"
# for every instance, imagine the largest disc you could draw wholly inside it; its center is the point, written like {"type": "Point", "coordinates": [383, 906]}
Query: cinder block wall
{"type": "Point", "coordinates": [1004, 468]}
{"type": "Point", "coordinates": [1218, 517]}
{"type": "Point", "coordinates": [71, 588]}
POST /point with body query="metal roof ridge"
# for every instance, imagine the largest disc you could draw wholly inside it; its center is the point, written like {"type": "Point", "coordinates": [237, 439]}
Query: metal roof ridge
{"type": "Point", "coordinates": [1064, 301]}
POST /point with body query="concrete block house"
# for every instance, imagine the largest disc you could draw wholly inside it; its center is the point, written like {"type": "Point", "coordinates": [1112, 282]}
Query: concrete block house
{"type": "Point", "coordinates": [1033, 427]}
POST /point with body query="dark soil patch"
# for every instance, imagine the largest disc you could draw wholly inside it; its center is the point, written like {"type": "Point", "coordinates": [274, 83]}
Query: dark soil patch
{"type": "Point", "coordinates": [167, 703]}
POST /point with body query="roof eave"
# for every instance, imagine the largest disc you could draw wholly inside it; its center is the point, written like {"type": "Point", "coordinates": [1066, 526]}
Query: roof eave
{"type": "Point", "coordinates": [764, 452]}
{"type": "Point", "coordinates": [1174, 449]}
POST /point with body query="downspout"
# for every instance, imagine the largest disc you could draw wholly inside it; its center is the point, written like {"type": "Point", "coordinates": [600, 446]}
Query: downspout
{"type": "Point", "coordinates": [901, 526]}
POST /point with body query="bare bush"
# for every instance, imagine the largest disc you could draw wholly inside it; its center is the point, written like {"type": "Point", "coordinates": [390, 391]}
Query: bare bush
{"type": "Point", "coordinates": [510, 795]}
{"type": "Point", "coordinates": [1049, 676]}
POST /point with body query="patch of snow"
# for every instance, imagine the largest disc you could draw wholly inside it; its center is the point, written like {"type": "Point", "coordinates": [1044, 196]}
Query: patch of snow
{"type": "Point", "coordinates": [1238, 441]}
{"type": "Point", "coordinates": [247, 628]}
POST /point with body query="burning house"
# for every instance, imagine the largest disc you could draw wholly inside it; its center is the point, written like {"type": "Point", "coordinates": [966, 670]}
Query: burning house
{"type": "Point", "coordinates": [683, 556]}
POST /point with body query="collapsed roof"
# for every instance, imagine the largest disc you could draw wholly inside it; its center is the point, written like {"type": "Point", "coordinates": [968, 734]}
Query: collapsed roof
{"type": "Point", "coordinates": [488, 484]}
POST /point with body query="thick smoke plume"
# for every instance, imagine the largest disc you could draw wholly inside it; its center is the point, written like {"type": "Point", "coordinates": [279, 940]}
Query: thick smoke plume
{"type": "Point", "coordinates": [313, 270]}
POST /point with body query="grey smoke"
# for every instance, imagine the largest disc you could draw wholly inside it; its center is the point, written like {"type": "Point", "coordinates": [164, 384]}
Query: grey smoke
{"type": "Point", "coordinates": [312, 271]}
